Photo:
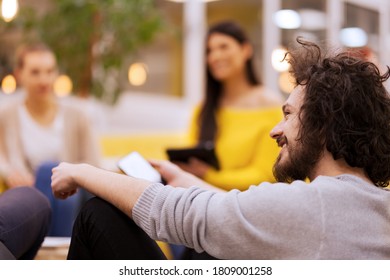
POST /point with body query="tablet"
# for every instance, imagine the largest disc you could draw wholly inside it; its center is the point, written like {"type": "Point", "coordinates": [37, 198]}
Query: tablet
{"type": "Point", "coordinates": [135, 165]}
{"type": "Point", "coordinates": [205, 154]}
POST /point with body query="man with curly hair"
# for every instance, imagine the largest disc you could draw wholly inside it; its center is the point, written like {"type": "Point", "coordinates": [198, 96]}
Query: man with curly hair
{"type": "Point", "coordinates": [331, 202]}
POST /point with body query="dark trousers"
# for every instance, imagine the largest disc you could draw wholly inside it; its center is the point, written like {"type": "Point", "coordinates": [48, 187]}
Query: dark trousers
{"type": "Point", "coordinates": [102, 232]}
{"type": "Point", "coordinates": [24, 221]}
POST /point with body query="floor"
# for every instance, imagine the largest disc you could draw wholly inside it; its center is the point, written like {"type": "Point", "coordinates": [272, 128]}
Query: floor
{"type": "Point", "coordinates": [54, 248]}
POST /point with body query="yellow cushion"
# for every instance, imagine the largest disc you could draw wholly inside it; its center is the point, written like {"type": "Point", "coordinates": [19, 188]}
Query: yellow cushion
{"type": "Point", "coordinates": [166, 249]}
{"type": "Point", "coordinates": [149, 145]}
{"type": "Point", "coordinates": [3, 186]}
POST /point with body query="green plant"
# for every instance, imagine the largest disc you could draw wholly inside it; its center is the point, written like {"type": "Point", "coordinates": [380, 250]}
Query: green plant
{"type": "Point", "coordinates": [93, 39]}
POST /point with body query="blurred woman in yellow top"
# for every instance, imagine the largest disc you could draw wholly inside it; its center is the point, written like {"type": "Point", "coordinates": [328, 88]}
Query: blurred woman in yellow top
{"type": "Point", "coordinates": [236, 115]}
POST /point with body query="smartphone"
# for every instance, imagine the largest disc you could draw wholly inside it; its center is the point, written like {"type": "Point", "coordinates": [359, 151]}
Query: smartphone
{"type": "Point", "coordinates": [137, 166]}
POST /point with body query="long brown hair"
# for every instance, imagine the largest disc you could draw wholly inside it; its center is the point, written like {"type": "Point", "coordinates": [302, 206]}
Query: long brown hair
{"type": "Point", "coordinates": [207, 119]}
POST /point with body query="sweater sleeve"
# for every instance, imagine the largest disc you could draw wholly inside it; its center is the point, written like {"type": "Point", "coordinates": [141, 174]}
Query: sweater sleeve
{"type": "Point", "coordinates": [254, 224]}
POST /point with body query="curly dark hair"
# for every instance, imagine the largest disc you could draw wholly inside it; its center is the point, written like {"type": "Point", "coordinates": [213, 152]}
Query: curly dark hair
{"type": "Point", "coordinates": [346, 107]}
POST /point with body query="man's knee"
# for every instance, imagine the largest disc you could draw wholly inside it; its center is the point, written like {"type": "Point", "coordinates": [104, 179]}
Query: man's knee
{"type": "Point", "coordinates": [95, 204]}
{"type": "Point", "coordinates": [95, 209]}
{"type": "Point", "coordinates": [99, 212]}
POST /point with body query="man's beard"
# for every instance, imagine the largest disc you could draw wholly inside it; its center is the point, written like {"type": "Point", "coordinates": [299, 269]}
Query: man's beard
{"type": "Point", "coordinates": [299, 164]}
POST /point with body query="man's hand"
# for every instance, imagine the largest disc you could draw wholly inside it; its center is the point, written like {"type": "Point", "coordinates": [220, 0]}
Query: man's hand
{"type": "Point", "coordinates": [120, 190]}
{"type": "Point", "coordinates": [63, 181]}
{"type": "Point", "coordinates": [171, 173]}
{"type": "Point", "coordinates": [176, 177]}
{"type": "Point", "coordinates": [195, 166]}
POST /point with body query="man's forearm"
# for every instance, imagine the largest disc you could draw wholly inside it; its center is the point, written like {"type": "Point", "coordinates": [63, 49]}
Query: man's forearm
{"type": "Point", "coordinates": [120, 190]}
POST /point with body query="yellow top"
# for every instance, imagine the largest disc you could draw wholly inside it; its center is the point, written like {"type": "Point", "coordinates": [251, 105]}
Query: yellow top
{"type": "Point", "coordinates": [245, 150]}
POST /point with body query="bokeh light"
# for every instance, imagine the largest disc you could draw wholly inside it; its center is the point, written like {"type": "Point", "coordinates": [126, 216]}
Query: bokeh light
{"type": "Point", "coordinates": [286, 82]}
{"type": "Point", "coordinates": [63, 86]}
{"type": "Point", "coordinates": [353, 37]}
{"type": "Point", "coordinates": [9, 9]}
{"type": "Point", "coordinates": [137, 74]}
{"type": "Point", "coordinates": [278, 63]}
{"type": "Point", "coordinates": [287, 19]}
{"type": "Point", "coordinates": [8, 85]}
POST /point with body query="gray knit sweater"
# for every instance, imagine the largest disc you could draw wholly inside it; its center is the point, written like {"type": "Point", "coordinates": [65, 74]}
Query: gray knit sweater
{"type": "Point", "coordinates": [340, 217]}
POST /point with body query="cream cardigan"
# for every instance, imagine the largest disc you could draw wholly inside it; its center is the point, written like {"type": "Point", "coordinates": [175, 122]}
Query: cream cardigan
{"type": "Point", "coordinates": [79, 142]}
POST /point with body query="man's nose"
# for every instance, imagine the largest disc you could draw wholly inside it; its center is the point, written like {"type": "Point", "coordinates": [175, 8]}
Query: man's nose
{"type": "Point", "coordinates": [277, 131]}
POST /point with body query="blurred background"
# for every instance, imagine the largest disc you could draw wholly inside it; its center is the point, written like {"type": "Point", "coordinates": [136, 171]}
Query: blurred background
{"type": "Point", "coordinates": [137, 66]}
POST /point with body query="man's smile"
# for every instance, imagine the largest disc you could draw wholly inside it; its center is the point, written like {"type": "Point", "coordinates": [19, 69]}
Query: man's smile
{"type": "Point", "coordinates": [281, 141]}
